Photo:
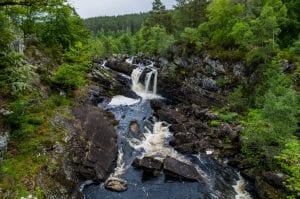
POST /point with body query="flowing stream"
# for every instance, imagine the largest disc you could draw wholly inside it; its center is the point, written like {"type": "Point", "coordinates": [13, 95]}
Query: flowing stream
{"type": "Point", "coordinates": [219, 181]}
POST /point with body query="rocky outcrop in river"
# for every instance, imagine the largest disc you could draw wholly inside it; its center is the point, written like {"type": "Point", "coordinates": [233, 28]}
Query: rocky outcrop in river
{"type": "Point", "coordinates": [92, 149]}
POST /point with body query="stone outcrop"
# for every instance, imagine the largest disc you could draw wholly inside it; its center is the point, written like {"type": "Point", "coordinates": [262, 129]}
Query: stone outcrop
{"type": "Point", "coordinates": [148, 163]}
{"type": "Point", "coordinates": [92, 149]}
{"type": "Point", "coordinates": [180, 170]}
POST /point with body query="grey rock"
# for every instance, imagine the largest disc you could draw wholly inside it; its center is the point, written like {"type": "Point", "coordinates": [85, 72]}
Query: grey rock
{"type": "Point", "coordinates": [147, 163]}
{"type": "Point", "coordinates": [181, 170]}
{"type": "Point", "coordinates": [92, 149]}
{"type": "Point", "coordinates": [275, 179]}
{"type": "Point", "coordinates": [117, 185]}
{"type": "Point", "coordinates": [215, 65]}
{"type": "Point", "coordinates": [239, 70]}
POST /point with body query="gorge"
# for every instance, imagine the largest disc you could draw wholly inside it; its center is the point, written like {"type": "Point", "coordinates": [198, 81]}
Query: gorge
{"type": "Point", "coordinates": [198, 175]}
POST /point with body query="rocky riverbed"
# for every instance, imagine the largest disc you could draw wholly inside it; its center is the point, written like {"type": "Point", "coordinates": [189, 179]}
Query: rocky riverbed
{"type": "Point", "coordinates": [196, 139]}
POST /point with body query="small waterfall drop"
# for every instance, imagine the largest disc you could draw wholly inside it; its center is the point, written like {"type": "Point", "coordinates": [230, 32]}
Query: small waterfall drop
{"type": "Point", "coordinates": [155, 82]}
{"type": "Point", "coordinates": [137, 87]}
{"type": "Point", "coordinates": [103, 65]}
{"type": "Point", "coordinates": [129, 60]}
{"type": "Point", "coordinates": [240, 189]}
{"type": "Point", "coordinates": [149, 89]}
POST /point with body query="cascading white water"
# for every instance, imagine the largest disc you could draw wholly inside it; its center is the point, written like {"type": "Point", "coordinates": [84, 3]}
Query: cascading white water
{"type": "Point", "coordinates": [120, 169]}
{"type": "Point", "coordinates": [240, 189]}
{"type": "Point", "coordinates": [129, 60]}
{"type": "Point", "coordinates": [156, 145]}
{"type": "Point", "coordinates": [144, 90]}
{"type": "Point", "coordinates": [120, 100]}
{"type": "Point", "coordinates": [103, 65]}
{"type": "Point", "coordinates": [147, 80]}
{"type": "Point", "coordinates": [155, 82]}
{"type": "Point", "coordinates": [137, 87]}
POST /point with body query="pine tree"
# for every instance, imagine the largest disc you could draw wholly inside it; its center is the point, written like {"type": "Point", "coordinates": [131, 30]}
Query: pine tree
{"type": "Point", "coordinates": [160, 16]}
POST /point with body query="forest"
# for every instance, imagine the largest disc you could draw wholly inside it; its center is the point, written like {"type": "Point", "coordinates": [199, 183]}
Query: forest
{"type": "Point", "coordinates": [47, 53]}
{"type": "Point", "coordinates": [115, 24]}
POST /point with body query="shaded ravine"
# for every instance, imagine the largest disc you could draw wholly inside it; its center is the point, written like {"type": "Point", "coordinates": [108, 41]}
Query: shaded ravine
{"type": "Point", "coordinates": [218, 180]}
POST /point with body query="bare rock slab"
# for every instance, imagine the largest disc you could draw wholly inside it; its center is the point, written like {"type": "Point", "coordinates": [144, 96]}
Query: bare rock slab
{"type": "Point", "coordinates": [181, 170]}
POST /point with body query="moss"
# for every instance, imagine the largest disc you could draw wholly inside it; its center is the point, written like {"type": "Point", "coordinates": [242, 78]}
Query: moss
{"type": "Point", "coordinates": [214, 123]}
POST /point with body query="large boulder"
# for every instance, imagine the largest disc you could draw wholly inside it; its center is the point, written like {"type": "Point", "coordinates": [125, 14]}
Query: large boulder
{"type": "Point", "coordinates": [181, 170]}
{"type": "Point", "coordinates": [147, 163]}
{"type": "Point", "coordinates": [151, 167]}
{"type": "Point", "coordinates": [118, 64]}
{"type": "Point", "coordinates": [275, 179]}
{"type": "Point", "coordinates": [267, 191]}
{"type": "Point", "coordinates": [116, 185]}
{"type": "Point", "coordinates": [92, 148]}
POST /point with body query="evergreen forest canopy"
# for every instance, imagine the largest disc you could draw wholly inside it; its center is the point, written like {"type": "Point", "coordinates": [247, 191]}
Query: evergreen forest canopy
{"type": "Point", "coordinates": [45, 47]}
{"type": "Point", "coordinates": [115, 24]}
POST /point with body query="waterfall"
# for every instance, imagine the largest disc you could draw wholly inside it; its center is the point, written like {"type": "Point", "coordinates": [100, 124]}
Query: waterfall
{"type": "Point", "coordinates": [240, 189]}
{"type": "Point", "coordinates": [147, 80]}
{"type": "Point", "coordinates": [149, 89]}
{"type": "Point", "coordinates": [137, 87]}
{"type": "Point", "coordinates": [129, 60]}
{"type": "Point", "coordinates": [155, 82]}
{"type": "Point", "coordinates": [103, 65]}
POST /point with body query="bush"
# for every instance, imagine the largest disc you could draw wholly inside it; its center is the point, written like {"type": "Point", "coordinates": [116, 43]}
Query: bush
{"type": "Point", "coordinates": [228, 117]}
{"type": "Point", "coordinates": [21, 121]}
{"type": "Point", "coordinates": [270, 127]}
{"type": "Point", "coordinates": [17, 76]}
{"type": "Point", "coordinates": [69, 77]}
{"type": "Point", "coordinates": [289, 161]}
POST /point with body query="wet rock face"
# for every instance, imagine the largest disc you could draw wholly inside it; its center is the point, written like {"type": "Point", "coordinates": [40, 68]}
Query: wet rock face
{"type": "Point", "coordinates": [92, 149]}
{"type": "Point", "coordinates": [180, 170]}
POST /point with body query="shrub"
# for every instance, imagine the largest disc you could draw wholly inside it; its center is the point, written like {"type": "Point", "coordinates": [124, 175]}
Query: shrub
{"type": "Point", "coordinates": [228, 117]}
{"type": "Point", "coordinates": [289, 161]}
{"type": "Point", "coordinates": [17, 76]}
{"type": "Point", "coordinates": [69, 77]}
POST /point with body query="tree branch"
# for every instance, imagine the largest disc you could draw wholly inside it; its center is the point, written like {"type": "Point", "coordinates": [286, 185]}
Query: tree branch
{"type": "Point", "coordinates": [23, 3]}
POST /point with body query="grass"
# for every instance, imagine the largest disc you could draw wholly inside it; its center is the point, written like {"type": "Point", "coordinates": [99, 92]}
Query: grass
{"type": "Point", "coordinates": [26, 157]}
